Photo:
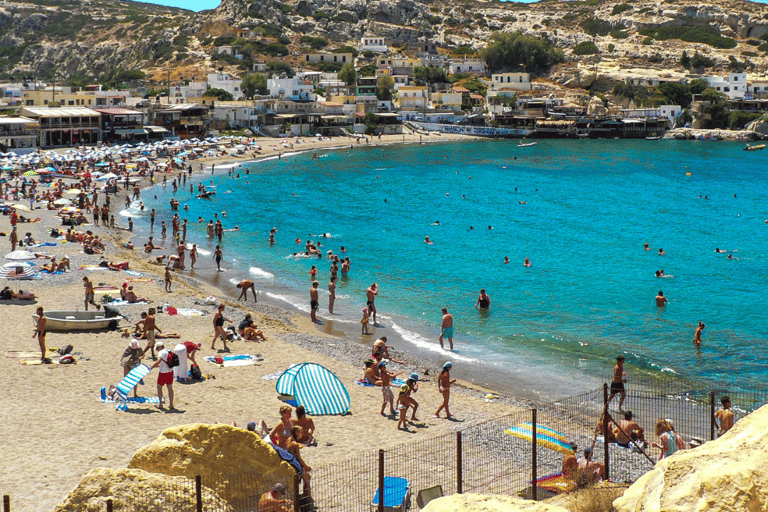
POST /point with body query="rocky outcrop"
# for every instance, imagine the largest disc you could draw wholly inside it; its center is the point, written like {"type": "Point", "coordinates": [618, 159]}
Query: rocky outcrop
{"type": "Point", "coordinates": [488, 503]}
{"type": "Point", "coordinates": [134, 489]}
{"type": "Point", "coordinates": [722, 475]}
{"type": "Point", "coordinates": [222, 455]}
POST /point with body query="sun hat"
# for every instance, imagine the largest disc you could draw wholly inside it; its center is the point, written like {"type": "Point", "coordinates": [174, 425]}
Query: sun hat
{"type": "Point", "coordinates": [414, 376]}
{"type": "Point", "coordinates": [382, 363]}
{"type": "Point", "coordinates": [159, 345]}
{"type": "Point", "coordinates": [368, 361]}
{"type": "Point", "coordinates": [447, 364]}
{"type": "Point", "coordinates": [135, 344]}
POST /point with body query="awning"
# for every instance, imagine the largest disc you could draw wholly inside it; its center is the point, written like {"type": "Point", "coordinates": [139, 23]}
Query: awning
{"type": "Point", "coordinates": [286, 116]}
{"type": "Point", "coordinates": [155, 129]}
{"type": "Point", "coordinates": [131, 131]}
{"type": "Point", "coordinates": [387, 114]}
{"type": "Point", "coordinates": [333, 118]}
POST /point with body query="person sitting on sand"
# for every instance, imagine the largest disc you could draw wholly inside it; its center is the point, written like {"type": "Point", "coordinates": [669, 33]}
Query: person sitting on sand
{"type": "Point", "coordinates": [372, 375]}
{"type": "Point", "coordinates": [275, 500]}
{"type": "Point", "coordinates": [138, 328]}
{"type": "Point", "coordinates": [249, 330]}
{"type": "Point", "coordinates": [294, 448]}
{"type": "Point", "coordinates": [570, 463]}
{"type": "Point", "coordinates": [282, 431]}
{"type": "Point", "coordinates": [307, 427]}
{"type": "Point", "coordinates": [132, 298]}
{"type": "Point", "coordinates": [593, 470]}
{"type": "Point", "coordinates": [634, 432]}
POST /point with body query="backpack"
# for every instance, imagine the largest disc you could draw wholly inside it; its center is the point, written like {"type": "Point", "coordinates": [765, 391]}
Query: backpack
{"type": "Point", "coordinates": [66, 350]}
{"type": "Point", "coordinates": [173, 360]}
{"type": "Point", "coordinates": [195, 373]}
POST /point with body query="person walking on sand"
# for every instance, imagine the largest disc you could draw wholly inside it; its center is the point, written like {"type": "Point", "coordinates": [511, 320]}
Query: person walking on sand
{"type": "Point", "coordinates": [165, 377]}
{"type": "Point", "coordinates": [40, 334]}
{"type": "Point", "coordinates": [89, 295]}
{"type": "Point", "coordinates": [314, 303]}
{"type": "Point", "coordinates": [193, 256]}
{"type": "Point", "coordinates": [371, 294]}
{"type": "Point", "coordinates": [217, 256]}
{"type": "Point", "coordinates": [386, 381]}
{"type": "Point", "coordinates": [331, 294]}
{"type": "Point", "coordinates": [149, 331]}
{"type": "Point", "coordinates": [245, 285]}
{"type": "Point", "coordinates": [697, 336]}
{"type": "Point", "coordinates": [218, 327]}
{"type": "Point", "coordinates": [14, 238]}
{"type": "Point", "coordinates": [444, 383]}
{"type": "Point", "coordinates": [168, 279]}
{"type": "Point", "coordinates": [617, 385]}
{"type": "Point", "coordinates": [483, 301]}
{"type": "Point", "coordinates": [446, 330]}
{"type": "Point", "coordinates": [661, 300]}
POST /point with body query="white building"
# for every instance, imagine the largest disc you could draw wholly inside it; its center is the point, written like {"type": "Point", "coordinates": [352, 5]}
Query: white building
{"type": "Point", "coordinates": [476, 66]}
{"type": "Point", "coordinates": [295, 89]}
{"type": "Point", "coordinates": [373, 44]}
{"type": "Point", "coordinates": [19, 134]}
{"type": "Point", "coordinates": [225, 82]}
{"type": "Point", "coordinates": [337, 58]}
{"type": "Point", "coordinates": [670, 112]}
{"type": "Point", "coordinates": [238, 114]}
{"type": "Point", "coordinates": [734, 85]}
{"type": "Point", "coordinates": [758, 88]}
{"type": "Point", "coordinates": [514, 81]}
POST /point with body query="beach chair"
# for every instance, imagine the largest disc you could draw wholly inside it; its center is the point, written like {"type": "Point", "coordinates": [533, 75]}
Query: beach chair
{"type": "Point", "coordinates": [428, 494]}
{"type": "Point", "coordinates": [397, 495]}
{"type": "Point", "coordinates": [126, 385]}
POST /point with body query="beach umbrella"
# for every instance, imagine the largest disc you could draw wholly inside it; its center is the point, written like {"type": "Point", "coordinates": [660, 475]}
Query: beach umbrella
{"type": "Point", "coordinates": [69, 209]}
{"type": "Point", "coordinates": [18, 270]}
{"type": "Point", "coordinates": [21, 207]}
{"type": "Point", "coordinates": [102, 164]}
{"type": "Point", "coordinates": [545, 437]}
{"type": "Point", "coordinates": [73, 191]}
{"type": "Point", "coordinates": [62, 202]}
{"type": "Point", "coordinates": [20, 255]}
{"type": "Point", "coordinates": [30, 173]}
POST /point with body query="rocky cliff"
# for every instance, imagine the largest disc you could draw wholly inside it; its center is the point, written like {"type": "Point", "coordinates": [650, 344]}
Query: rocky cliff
{"type": "Point", "coordinates": [93, 38]}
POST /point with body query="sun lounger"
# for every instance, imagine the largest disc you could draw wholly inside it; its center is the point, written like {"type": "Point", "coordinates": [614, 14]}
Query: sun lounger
{"type": "Point", "coordinates": [131, 400]}
{"type": "Point", "coordinates": [397, 495]}
{"type": "Point", "coordinates": [126, 385]}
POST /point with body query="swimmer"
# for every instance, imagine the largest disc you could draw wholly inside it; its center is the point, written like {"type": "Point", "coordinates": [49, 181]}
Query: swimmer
{"type": "Point", "coordinates": [506, 259]}
{"type": "Point", "coordinates": [527, 262]}
{"type": "Point", "coordinates": [436, 223]}
{"type": "Point", "coordinates": [697, 335]}
{"type": "Point", "coordinates": [661, 252]}
{"type": "Point", "coordinates": [427, 240]}
{"type": "Point", "coordinates": [646, 246]}
{"type": "Point", "coordinates": [717, 249]}
{"type": "Point", "coordinates": [522, 202]}
{"type": "Point", "coordinates": [661, 300]}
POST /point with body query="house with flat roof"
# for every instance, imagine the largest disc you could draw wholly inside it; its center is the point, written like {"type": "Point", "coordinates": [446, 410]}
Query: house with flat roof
{"type": "Point", "coordinates": [18, 134]}
{"type": "Point", "coordinates": [65, 126]}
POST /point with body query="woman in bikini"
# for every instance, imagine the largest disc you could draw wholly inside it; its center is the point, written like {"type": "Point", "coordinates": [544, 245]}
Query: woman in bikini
{"type": "Point", "coordinates": [218, 327]}
{"type": "Point", "coordinates": [282, 431]}
{"type": "Point", "coordinates": [294, 448]}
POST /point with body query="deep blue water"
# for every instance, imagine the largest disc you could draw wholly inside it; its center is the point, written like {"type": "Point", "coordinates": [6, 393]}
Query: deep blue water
{"type": "Point", "coordinates": [589, 208]}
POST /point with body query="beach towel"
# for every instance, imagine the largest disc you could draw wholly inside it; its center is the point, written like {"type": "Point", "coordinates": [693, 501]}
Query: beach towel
{"type": "Point", "coordinates": [139, 279]}
{"type": "Point", "coordinates": [128, 383]}
{"type": "Point", "coordinates": [131, 400]}
{"type": "Point", "coordinates": [364, 383]}
{"type": "Point", "coordinates": [134, 273]}
{"type": "Point", "coordinates": [120, 302]}
{"type": "Point", "coordinates": [235, 359]}
{"type": "Point", "coordinates": [189, 312]}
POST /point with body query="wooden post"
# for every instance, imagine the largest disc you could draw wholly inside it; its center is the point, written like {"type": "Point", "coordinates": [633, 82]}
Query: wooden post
{"type": "Point", "coordinates": [381, 480]}
{"type": "Point", "coordinates": [199, 493]}
{"type": "Point", "coordinates": [459, 468]}
{"type": "Point", "coordinates": [534, 472]}
{"type": "Point", "coordinates": [110, 505]}
{"type": "Point", "coordinates": [6, 503]}
{"type": "Point", "coordinates": [606, 426]}
{"type": "Point", "coordinates": [711, 415]}
{"type": "Point", "coordinates": [296, 497]}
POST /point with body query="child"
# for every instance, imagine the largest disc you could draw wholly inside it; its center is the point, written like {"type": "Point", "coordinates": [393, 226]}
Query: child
{"type": "Point", "coordinates": [365, 321]}
{"type": "Point", "coordinates": [402, 407]}
{"type": "Point", "coordinates": [112, 221]}
{"type": "Point", "coordinates": [167, 279]}
{"type": "Point", "coordinates": [724, 417]}
{"type": "Point", "coordinates": [130, 224]}
{"type": "Point", "coordinates": [312, 273]}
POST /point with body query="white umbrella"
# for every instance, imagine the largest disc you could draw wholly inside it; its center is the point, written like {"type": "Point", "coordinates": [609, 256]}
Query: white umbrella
{"type": "Point", "coordinates": [20, 255]}
{"type": "Point", "coordinates": [62, 202]}
{"type": "Point", "coordinates": [21, 207]}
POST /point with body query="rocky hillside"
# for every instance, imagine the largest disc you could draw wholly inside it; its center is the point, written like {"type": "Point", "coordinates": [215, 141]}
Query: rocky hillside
{"type": "Point", "coordinates": [91, 39]}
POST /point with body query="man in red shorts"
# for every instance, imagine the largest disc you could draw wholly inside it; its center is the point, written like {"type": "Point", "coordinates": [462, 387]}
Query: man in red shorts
{"type": "Point", "coordinates": [165, 378]}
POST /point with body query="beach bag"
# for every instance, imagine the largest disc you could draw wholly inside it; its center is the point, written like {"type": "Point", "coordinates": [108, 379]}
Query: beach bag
{"type": "Point", "coordinates": [195, 373]}
{"type": "Point", "coordinates": [173, 360]}
{"type": "Point", "coordinates": [67, 360]}
{"type": "Point", "coordinates": [66, 350]}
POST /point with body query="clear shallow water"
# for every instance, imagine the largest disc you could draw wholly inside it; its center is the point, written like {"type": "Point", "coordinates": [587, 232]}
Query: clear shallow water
{"type": "Point", "coordinates": [590, 206]}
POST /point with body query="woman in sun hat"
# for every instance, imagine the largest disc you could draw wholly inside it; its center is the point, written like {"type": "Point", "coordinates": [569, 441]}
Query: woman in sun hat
{"type": "Point", "coordinates": [130, 359]}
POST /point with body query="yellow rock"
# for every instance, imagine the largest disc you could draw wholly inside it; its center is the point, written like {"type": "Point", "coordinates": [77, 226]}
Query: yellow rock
{"type": "Point", "coordinates": [134, 489]}
{"type": "Point", "coordinates": [234, 462]}
{"type": "Point", "coordinates": [488, 503]}
{"type": "Point", "coordinates": [726, 474]}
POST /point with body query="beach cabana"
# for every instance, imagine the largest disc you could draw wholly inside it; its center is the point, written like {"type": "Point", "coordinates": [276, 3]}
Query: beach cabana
{"type": "Point", "coordinates": [315, 387]}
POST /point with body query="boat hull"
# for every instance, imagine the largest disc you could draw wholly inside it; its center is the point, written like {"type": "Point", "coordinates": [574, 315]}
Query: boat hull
{"type": "Point", "coordinates": [68, 321]}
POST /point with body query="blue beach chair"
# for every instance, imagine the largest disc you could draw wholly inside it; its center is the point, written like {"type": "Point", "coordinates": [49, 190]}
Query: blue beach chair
{"type": "Point", "coordinates": [397, 495]}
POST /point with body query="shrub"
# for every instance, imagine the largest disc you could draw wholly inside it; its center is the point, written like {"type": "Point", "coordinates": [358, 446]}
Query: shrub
{"type": "Point", "coordinates": [655, 58]}
{"type": "Point", "coordinates": [434, 20]}
{"type": "Point", "coordinates": [620, 8]}
{"type": "Point", "coordinates": [611, 47]}
{"type": "Point", "coordinates": [700, 61]}
{"type": "Point", "coordinates": [286, 9]}
{"type": "Point", "coordinates": [753, 42]}
{"type": "Point", "coordinates": [648, 41]}
{"type": "Point", "coordinates": [738, 120]}
{"type": "Point", "coordinates": [596, 27]}
{"type": "Point", "coordinates": [585, 48]}
{"type": "Point", "coordinates": [619, 34]}
{"type": "Point", "coordinates": [705, 34]}
{"type": "Point", "coordinates": [317, 43]}
{"type": "Point", "coordinates": [749, 54]}
{"type": "Point", "coordinates": [763, 47]}
{"type": "Point", "coordinates": [321, 15]}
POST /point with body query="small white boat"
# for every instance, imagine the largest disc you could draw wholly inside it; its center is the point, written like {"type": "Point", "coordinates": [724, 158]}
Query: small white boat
{"type": "Point", "coordinates": [653, 137]}
{"type": "Point", "coordinates": [68, 320]}
{"type": "Point", "coordinates": [526, 144]}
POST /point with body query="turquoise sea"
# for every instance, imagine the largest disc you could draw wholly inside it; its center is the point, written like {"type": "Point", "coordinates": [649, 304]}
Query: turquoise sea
{"type": "Point", "coordinates": [580, 210]}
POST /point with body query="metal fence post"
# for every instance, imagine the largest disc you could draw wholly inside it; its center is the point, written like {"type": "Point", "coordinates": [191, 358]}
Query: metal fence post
{"type": "Point", "coordinates": [381, 480]}
{"type": "Point", "coordinates": [199, 493]}
{"type": "Point", "coordinates": [296, 498]}
{"type": "Point", "coordinates": [459, 467]}
{"type": "Point", "coordinates": [6, 503]}
{"type": "Point", "coordinates": [534, 472]}
{"type": "Point", "coordinates": [110, 505]}
{"type": "Point", "coordinates": [711, 415]}
{"type": "Point", "coordinates": [606, 454]}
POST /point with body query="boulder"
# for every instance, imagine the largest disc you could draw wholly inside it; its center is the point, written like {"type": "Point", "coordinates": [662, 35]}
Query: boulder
{"type": "Point", "coordinates": [721, 475]}
{"type": "Point", "coordinates": [488, 503]}
{"type": "Point", "coordinates": [222, 455]}
{"type": "Point", "coordinates": [134, 489]}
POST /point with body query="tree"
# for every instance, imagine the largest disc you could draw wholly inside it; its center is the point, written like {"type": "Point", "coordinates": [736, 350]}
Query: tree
{"type": "Point", "coordinates": [384, 88]}
{"type": "Point", "coordinates": [675, 93]}
{"type": "Point", "coordinates": [280, 67]}
{"type": "Point", "coordinates": [219, 94]}
{"type": "Point", "coordinates": [348, 74]}
{"type": "Point", "coordinates": [429, 75]}
{"type": "Point", "coordinates": [512, 51]}
{"type": "Point", "coordinates": [685, 60]}
{"type": "Point", "coordinates": [699, 61]}
{"type": "Point", "coordinates": [371, 122]}
{"type": "Point", "coordinates": [698, 85]}
{"type": "Point", "coordinates": [254, 83]}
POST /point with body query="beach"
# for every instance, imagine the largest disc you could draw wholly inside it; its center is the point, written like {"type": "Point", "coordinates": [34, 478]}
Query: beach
{"type": "Point", "coordinates": [56, 428]}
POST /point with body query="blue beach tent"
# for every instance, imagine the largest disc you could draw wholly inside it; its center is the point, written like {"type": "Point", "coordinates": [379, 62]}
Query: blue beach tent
{"type": "Point", "coordinates": [315, 387]}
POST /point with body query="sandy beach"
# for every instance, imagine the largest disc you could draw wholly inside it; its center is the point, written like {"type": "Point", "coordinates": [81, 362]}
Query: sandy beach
{"type": "Point", "coordinates": [55, 427]}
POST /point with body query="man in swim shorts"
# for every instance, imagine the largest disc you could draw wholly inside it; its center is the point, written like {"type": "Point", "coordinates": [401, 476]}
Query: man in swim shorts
{"type": "Point", "coordinates": [314, 304]}
{"type": "Point", "coordinates": [617, 385]}
{"type": "Point", "coordinates": [371, 294]}
{"type": "Point", "coordinates": [446, 328]}
{"type": "Point", "coordinates": [89, 295]}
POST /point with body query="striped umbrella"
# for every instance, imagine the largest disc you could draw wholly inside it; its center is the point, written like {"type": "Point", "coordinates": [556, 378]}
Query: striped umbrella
{"type": "Point", "coordinates": [545, 437]}
{"type": "Point", "coordinates": [315, 387]}
{"type": "Point", "coordinates": [30, 173]}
